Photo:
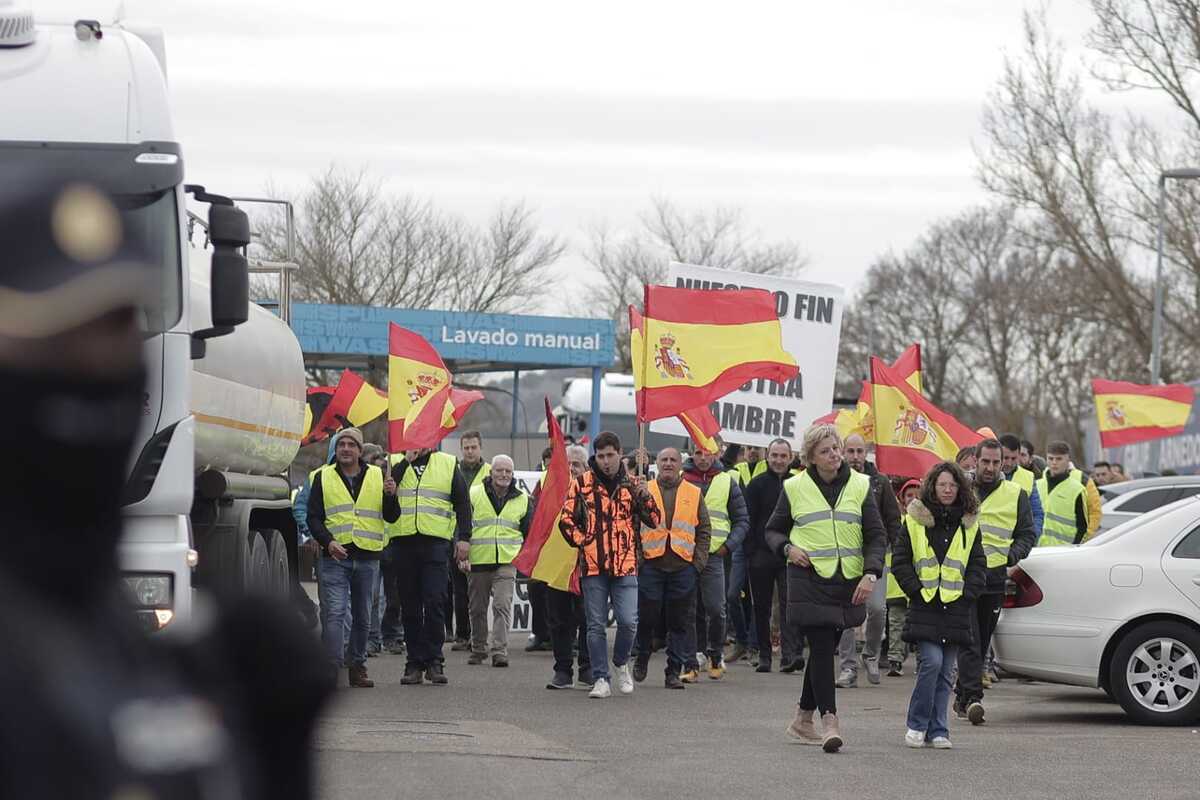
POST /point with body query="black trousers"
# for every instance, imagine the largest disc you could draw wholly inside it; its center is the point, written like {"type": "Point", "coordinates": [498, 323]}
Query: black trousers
{"type": "Point", "coordinates": [421, 561]}
{"type": "Point", "coordinates": [390, 627]}
{"type": "Point", "coordinates": [538, 592]}
{"type": "Point", "coordinates": [820, 686]}
{"type": "Point", "coordinates": [458, 609]}
{"type": "Point", "coordinates": [970, 658]}
{"type": "Point", "coordinates": [568, 629]}
{"type": "Point", "coordinates": [763, 582]}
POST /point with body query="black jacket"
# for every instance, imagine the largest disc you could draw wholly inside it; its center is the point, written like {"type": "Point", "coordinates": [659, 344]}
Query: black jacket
{"type": "Point", "coordinates": [1024, 539]}
{"type": "Point", "coordinates": [813, 601]}
{"type": "Point", "coordinates": [935, 621]}
{"type": "Point", "coordinates": [885, 500]}
{"type": "Point", "coordinates": [498, 504]}
{"type": "Point", "coordinates": [316, 512]}
{"type": "Point", "coordinates": [762, 495]}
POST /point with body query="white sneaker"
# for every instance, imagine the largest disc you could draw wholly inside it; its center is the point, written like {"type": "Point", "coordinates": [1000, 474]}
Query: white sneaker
{"type": "Point", "coordinates": [600, 689]}
{"type": "Point", "coordinates": [624, 679]}
{"type": "Point", "coordinates": [941, 743]}
{"type": "Point", "coordinates": [914, 738]}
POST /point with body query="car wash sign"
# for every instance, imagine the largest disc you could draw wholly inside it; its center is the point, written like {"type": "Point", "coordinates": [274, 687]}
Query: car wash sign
{"type": "Point", "coordinates": [810, 315]}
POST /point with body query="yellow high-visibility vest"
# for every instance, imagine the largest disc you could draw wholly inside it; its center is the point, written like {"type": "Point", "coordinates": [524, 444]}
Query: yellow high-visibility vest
{"type": "Point", "coordinates": [495, 538]}
{"type": "Point", "coordinates": [830, 536]}
{"type": "Point", "coordinates": [998, 520]}
{"type": "Point", "coordinates": [716, 499]}
{"type": "Point", "coordinates": [946, 579]}
{"type": "Point", "coordinates": [425, 505]}
{"type": "Point", "coordinates": [1058, 529]}
{"type": "Point", "coordinates": [1023, 478]}
{"type": "Point", "coordinates": [747, 474]}
{"type": "Point", "coordinates": [894, 592]}
{"type": "Point", "coordinates": [350, 521]}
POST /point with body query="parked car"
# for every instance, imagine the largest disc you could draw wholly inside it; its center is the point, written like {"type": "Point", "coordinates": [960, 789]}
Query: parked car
{"type": "Point", "coordinates": [1124, 501]}
{"type": "Point", "coordinates": [1120, 612]}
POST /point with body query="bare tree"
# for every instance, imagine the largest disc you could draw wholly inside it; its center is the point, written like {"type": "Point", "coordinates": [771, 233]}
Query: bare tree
{"type": "Point", "coordinates": [357, 246]}
{"type": "Point", "coordinates": [717, 238]}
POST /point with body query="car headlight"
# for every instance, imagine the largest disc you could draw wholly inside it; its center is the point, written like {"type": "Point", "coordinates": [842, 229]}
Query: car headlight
{"type": "Point", "coordinates": [149, 591]}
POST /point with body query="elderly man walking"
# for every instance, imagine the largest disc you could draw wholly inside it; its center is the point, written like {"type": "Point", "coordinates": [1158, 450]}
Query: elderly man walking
{"type": "Point", "coordinates": [500, 514]}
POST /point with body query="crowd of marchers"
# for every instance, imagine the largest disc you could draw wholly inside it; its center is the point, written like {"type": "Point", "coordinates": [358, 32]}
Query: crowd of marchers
{"type": "Point", "coordinates": [807, 558]}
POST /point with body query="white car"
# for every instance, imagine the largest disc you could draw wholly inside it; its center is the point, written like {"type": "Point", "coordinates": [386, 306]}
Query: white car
{"type": "Point", "coordinates": [1120, 612]}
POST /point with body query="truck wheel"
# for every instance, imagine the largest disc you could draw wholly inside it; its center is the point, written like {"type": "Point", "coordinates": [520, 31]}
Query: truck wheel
{"type": "Point", "coordinates": [1155, 673]}
{"type": "Point", "coordinates": [223, 559]}
{"type": "Point", "coordinates": [257, 581]}
{"type": "Point", "coordinates": [279, 576]}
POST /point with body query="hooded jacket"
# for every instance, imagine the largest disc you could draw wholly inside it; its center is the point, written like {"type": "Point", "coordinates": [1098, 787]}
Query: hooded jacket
{"type": "Point", "coordinates": [603, 517]}
{"type": "Point", "coordinates": [814, 601]}
{"type": "Point", "coordinates": [935, 621]}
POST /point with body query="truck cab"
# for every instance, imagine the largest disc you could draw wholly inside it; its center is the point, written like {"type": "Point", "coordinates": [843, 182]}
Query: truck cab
{"type": "Point", "coordinates": [89, 96]}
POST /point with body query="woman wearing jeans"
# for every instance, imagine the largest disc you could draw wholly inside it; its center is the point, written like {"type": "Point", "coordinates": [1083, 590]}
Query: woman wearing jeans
{"type": "Point", "coordinates": [940, 565]}
{"type": "Point", "coordinates": [827, 528]}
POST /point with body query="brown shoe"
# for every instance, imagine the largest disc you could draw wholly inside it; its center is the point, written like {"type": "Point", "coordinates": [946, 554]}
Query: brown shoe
{"type": "Point", "coordinates": [359, 679]}
{"type": "Point", "coordinates": [802, 728]}
{"type": "Point", "coordinates": [831, 737]}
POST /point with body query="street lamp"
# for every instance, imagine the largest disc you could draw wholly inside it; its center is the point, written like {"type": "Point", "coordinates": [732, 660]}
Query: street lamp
{"type": "Point", "coordinates": [1156, 333]}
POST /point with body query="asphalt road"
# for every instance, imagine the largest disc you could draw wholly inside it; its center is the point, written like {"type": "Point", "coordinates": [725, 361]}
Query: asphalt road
{"type": "Point", "coordinates": [498, 733]}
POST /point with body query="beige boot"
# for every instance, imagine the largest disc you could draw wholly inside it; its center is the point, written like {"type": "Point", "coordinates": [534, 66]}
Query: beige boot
{"type": "Point", "coordinates": [802, 728]}
{"type": "Point", "coordinates": [831, 740]}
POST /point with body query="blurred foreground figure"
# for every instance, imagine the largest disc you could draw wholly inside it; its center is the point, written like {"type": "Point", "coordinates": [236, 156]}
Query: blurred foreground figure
{"type": "Point", "coordinates": [91, 706]}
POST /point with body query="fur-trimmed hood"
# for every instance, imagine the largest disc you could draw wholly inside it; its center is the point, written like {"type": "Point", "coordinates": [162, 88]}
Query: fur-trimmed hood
{"type": "Point", "coordinates": [918, 511]}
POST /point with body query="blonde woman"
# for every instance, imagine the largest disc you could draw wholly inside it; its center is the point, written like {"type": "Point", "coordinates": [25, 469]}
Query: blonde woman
{"type": "Point", "coordinates": [827, 527]}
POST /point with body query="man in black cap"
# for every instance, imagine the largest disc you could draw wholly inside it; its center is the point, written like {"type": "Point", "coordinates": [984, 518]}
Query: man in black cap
{"type": "Point", "coordinates": [92, 708]}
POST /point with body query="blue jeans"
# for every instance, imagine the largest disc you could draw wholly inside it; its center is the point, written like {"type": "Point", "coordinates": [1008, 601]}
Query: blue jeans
{"type": "Point", "coordinates": [707, 628]}
{"type": "Point", "coordinates": [676, 591]}
{"type": "Point", "coordinates": [930, 704]}
{"type": "Point", "coordinates": [378, 606]}
{"type": "Point", "coordinates": [598, 590]}
{"type": "Point", "coordinates": [738, 599]}
{"type": "Point", "coordinates": [346, 588]}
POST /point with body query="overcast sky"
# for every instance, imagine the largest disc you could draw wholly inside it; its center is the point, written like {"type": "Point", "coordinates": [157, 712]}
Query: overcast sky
{"type": "Point", "coordinates": [847, 126]}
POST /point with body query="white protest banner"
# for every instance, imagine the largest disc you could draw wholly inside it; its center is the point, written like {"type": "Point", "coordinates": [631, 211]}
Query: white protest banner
{"type": "Point", "coordinates": [810, 315]}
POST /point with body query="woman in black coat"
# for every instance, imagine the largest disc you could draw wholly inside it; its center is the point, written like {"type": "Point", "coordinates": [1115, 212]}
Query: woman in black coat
{"type": "Point", "coordinates": [821, 607]}
{"type": "Point", "coordinates": [941, 544]}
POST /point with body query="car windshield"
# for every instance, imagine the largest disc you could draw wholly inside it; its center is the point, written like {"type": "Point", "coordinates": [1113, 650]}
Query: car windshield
{"type": "Point", "coordinates": [1137, 522]}
{"type": "Point", "coordinates": [147, 205]}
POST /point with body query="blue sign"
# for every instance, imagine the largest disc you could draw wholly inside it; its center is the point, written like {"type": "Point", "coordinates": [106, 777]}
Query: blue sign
{"type": "Point", "coordinates": [458, 335]}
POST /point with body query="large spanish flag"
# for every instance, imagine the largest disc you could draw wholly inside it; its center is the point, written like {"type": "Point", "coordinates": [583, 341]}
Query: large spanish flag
{"type": "Point", "coordinates": [353, 403]}
{"type": "Point", "coordinates": [545, 554]}
{"type": "Point", "coordinates": [911, 433]}
{"type": "Point", "coordinates": [695, 346]}
{"type": "Point", "coordinates": [1130, 412]}
{"type": "Point", "coordinates": [422, 405]}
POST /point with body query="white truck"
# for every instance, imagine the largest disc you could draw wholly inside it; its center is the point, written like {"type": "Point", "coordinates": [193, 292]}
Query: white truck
{"type": "Point", "coordinates": [206, 501]}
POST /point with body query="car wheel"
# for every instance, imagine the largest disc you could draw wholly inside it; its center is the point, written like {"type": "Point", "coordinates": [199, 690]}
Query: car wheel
{"type": "Point", "coordinates": [1155, 673]}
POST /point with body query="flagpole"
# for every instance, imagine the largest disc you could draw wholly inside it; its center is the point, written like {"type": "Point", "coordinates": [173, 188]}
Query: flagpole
{"type": "Point", "coordinates": [641, 456]}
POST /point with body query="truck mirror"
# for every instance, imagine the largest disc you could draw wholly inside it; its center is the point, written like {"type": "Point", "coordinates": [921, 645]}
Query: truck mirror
{"type": "Point", "coordinates": [230, 288]}
{"type": "Point", "coordinates": [228, 225]}
{"type": "Point", "coordinates": [228, 230]}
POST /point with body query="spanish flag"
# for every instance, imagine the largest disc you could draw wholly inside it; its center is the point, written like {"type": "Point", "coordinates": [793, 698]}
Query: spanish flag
{"type": "Point", "coordinates": [545, 555]}
{"type": "Point", "coordinates": [1129, 412]}
{"type": "Point", "coordinates": [695, 346]}
{"type": "Point", "coordinates": [911, 433]}
{"type": "Point", "coordinates": [422, 405]}
{"type": "Point", "coordinates": [353, 403]}
{"type": "Point", "coordinates": [703, 427]}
